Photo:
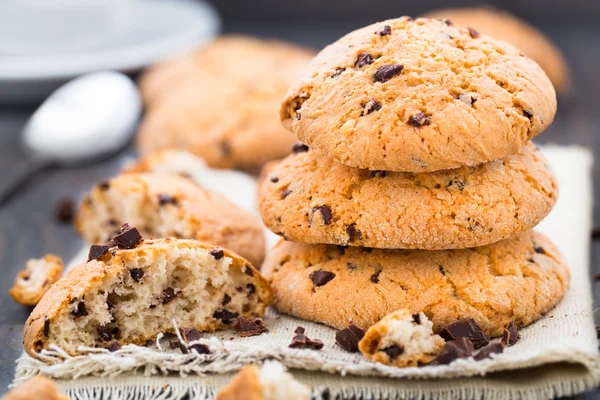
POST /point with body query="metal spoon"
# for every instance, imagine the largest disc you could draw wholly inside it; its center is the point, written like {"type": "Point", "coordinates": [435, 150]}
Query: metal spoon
{"type": "Point", "coordinates": [87, 118]}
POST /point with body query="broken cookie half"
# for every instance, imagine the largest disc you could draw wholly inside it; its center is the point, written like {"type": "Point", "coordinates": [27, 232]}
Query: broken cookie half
{"type": "Point", "coordinates": [131, 290]}
{"type": "Point", "coordinates": [401, 339]}
{"type": "Point", "coordinates": [269, 382]}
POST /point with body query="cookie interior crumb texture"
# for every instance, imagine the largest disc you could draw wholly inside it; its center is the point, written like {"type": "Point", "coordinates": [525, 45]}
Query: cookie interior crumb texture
{"type": "Point", "coordinates": [402, 339]}
{"type": "Point", "coordinates": [130, 296]}
{"type": "Point", "coordinates": [31, 284]}
{"type": "Point", "coordinates": [165, 205]}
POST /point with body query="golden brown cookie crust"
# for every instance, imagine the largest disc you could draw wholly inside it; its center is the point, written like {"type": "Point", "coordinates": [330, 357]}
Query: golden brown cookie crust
{"type": "Point", "coordinates": [310, 198]}
{"type": "Point", "coordinates": [208, 217]}
{"type": "Point", "coordinates": [418, 96]}
{"type": "Point", "coordinates": [518, 279]}
{"type": "Point", "coordinates": [525, 37]}
{"type": "Point", "coordinates": [221, 102]}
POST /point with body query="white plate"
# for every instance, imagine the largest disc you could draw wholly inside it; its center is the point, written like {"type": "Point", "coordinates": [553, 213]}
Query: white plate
{"type": "Point", "coordinates": [43, 47]}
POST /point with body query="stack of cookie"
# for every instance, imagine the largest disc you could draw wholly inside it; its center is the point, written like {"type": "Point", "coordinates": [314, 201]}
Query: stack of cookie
{"type": "Point", "coordinates": [418, 184]}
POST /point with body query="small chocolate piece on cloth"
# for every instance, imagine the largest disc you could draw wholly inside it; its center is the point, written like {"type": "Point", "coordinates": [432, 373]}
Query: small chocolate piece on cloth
{"type": "Point", "coordinates": [465, 328]}
{"type": "Point", "coordinates": [64, 210]}
{"type": "Point", "coordinates": [250, 327]}
{"type": "Point", "coordinates": [455, 349]}
{"type": "Point", "coordinates": [301, 341]}
{"type": "Point", "coordinates": [129, 237]}
{"type": "Point", "coordinates": [349, 337]}
{"type": "Point", "coordinates": [487, 351]}
{"type": "Point", "coordinates": [511, 334]}
{"type": "Point", "coordinates": [191, 335]}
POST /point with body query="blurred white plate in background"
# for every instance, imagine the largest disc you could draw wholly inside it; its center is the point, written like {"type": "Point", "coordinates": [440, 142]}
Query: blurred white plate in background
{"type": "Point", "coordinates": [44, 43]}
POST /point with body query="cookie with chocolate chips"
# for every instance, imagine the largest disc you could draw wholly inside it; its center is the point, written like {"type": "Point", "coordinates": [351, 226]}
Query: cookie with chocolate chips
{"type": "Point", "coordinates": [446, 96]}
{"type": "Point", "coordinates": [310, 198]}
{"type": "Point", "coordinates": [473, 293]}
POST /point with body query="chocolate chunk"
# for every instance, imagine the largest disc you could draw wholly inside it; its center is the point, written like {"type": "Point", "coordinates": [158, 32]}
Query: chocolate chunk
{"type": "Point", "coordinates": [285, 193]}
{"type": "Point", "coordinates": [487, 351]}
{"type": "Point", "coordinates": [197, 347]}
{"type": "Point", "coordinates": [416, 318]}
{"type": "Point", "coordinates": [46, 327]}
{"type": "Point", "coordinates": [251, 289]}
{"type": "Point", "coordinates": [527, 114]}
{"type": "Point", "coordinates": [598, 331]}
{"type": "Point", "coordinates": [393, 351]}
{"type": "Point", "coordinates": [164, 199]}
{"type": "Point", "coordinates": [511, 334]}
{"type": "Point", "coordinates": [129, 237]}
{"type": "Point", "coordinates": [467, 99]}
{"type": "Point", "coordinates": [325, 213]}
{"type": "Point", "coordinates": [353, 232]}
{"type": "Point", "coordinates": [338, 72]}
{"type": "Point", "coordinates": [363, 59]}
{"type": "Point", "coordinates": [474, 34]}
{"type": "Point", "coordinates": [419, 119]}
{"type": "Point", "coordinates": [80, 310]}
{"type": "Point", "coordinates": [226, 300]}
{"type": "Point", "coordinates": [349, 337]}
{"type": "Point", "coordinates": [274, 179]}
{"type": "Point", "coordinates": [387, 72]}
{"type": "Point", "coordinates": [107, 333]}
{"type": "Point", "coordinates": [152, 306]}
{"type": "Point", "coordinates": [250, 327]}
{"type": "Point", "coordinates": [298, 116]}
{"type": "Point", "coordinates": [465, 328]}
{"type": "Point", "coordinates": [387, 30]}
{"type": "Point", "coordinates": [114, 346]}
{"type": "Point", "coordinates": [136, 274]}
{"type": "Point", "coordinates": [189, 334]}
{"type": "Point", "coordinates": [248, 271]}
{"type": "Point", "coordinates": [169, 294]}
{"type": "Point", "coordinates": [377, 174]}
{"type": "Point", "coordinates": [225, 316]}
{"type": "Point", "coordinates": [539, 250]}
{"type": "Point", "coordinates": [104, 185]}
{"type": "Point", "coordinates": [375, 276]}
{"type": "Point", "coordinates": [217, 253]}
{"type": "Point", "coordinates": [225, 148]}
{"type": "Point", "coordinates": [460, 185]}
{"type": "Point", "coordinates": [369, 107]}
{"type": "Point", "coordinates": [299, 147]}
{"type": "Point", "coordinates": [301, 341]}
{"type": "Point", "coordinates": [64, 211]}
{"type": "Point", "coordinates": [455, 349]}
{"type": "Point", "coordinates": [447, 22]}
{"type": "Point", "coordinates": [321, 277]}
{"type": "Point", "coordinates": [97, 251]}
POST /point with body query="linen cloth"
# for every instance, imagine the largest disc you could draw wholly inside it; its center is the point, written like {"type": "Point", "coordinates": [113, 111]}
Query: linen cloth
{"type": "Point", "coordinates": [556, 356]}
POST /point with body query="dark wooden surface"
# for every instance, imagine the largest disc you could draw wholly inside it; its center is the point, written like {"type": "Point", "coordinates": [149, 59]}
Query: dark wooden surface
{"type": "Point", "coordinates": [28, 229]}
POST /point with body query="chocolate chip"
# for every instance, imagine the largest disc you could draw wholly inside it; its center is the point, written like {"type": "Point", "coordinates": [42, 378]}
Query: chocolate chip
{"type": "Point", "coordinates": [447, 22]}
{"type": "Point", "coordinates": [349, 337]}
{"type": "Point", "coordinates": [164, 199]}
{"type": "Point", "coordinates": [353, 232]}
{"type": "Point", "coordinates": [527, 114]}
{"type": "Point", "coordinates": [467, 99]}
{"type": "Point", "coordinates": [226, 300]}
{"type": "Point", "coordinates": [250, 327]}
{"type": "Point", "coordinates": [387, 72]}
{"type": "Point", "coordinates": [189, 334]}
{"type": "Point", "coordinates": [460, 185]}
{"type": "Point", "coordinates": [225, 148]}
{"type": "Point", "coordinates": [320, 277]}
{"type": "Point", "coordinates": [114, 346]}
{"type": "Point", "coordinates": [487, 351]}
{"type": "Point", "coordinates": [299, 147]}
{"type": "Point", "coordinates": [338, 72]}
{"type": "Point", "coordinates": [387, 30]}
{"type": "Point", "coordinates": [97, 251]}
{"type": "Point", "coordinates": [104, 185]}
{"type": "Point", "coordinates": [152, 306]}
{"type": "Point", "coordinates": [298, 116]}
{"type": "Point", "coordinates": [511, 334]}
{"type": "Point", "coordinates": [251, 289]}
{"type": "Point", "coordinates": [474, 34]}
{"type": "Point", "coordinates": [169, 294]}
{"type": "Point", "coordinates": [274, 179]}
{"type": "Point", "coordinates": [369, 107]}
{"type": "Point", "coordinates": [136, 274]}
{"type": "Point", "coordinates": [325, 212]}
{"type": "Point", "coordinates": [285, 193]}
{"type": "Point", "coordinates": [416, 318]}
{"type": "Point", "coordinates": [64, 211]}
{"type": "Point", "coordinates": [107, 333]}
{"type": "Point", "coordinates": [377, 174]}
{"type": "Point", "coordinates": [375, 276]}
{"type": "Point", "coordinates": [225, 316]}
{"type": "Point", "coordinates": [129, 237]}
{"type": "Point", "coordinates": [455, 349]}
{"type": "Point", "coordinates": [217, 253]}
{"type": "Point", "coordinates": [301, 341]}
{"type": "Point", "coordinates": [80, 310]}
{"type": "Point", "coordinates": [465, 328]}
{"type": "Point", "coordinates": [46, 327]}
{"type": "Point", "coordinates": [248, 271]}
{"type": "Point", "coordinates": [393, 351]}
{"type": "Point", "coordinates": [363, 59]}
{"type": "Point", "coordinates": [539, 250]}
{"type": "Point", "coordinates": [419, 119]}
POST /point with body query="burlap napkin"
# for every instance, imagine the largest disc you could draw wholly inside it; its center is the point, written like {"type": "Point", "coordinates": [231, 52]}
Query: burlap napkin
{"type": "Point", "coordinates": [557, 356]}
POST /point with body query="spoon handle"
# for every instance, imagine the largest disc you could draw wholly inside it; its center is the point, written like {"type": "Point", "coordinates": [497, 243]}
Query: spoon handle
{"type": "Point", "coordinates": [16, 178]}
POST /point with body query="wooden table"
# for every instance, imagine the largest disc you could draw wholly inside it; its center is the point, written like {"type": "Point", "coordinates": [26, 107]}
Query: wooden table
{"type": "Point", "coordinates": [28, 228]}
